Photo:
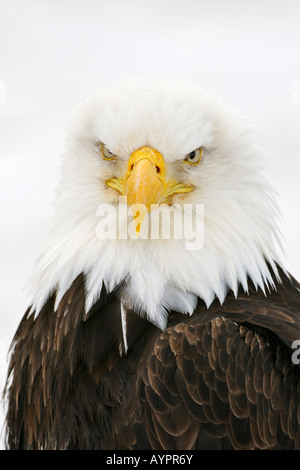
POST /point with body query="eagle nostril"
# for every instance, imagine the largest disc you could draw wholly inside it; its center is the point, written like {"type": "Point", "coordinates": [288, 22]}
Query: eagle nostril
{"type": "Point", "coordinates": [157, 169]}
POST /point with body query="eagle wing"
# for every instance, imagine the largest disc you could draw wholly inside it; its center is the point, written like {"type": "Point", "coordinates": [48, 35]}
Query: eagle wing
{"type": "Point", "coordinates": [225, 378]}
{"type": "Point", "coordinates": [221, 378]}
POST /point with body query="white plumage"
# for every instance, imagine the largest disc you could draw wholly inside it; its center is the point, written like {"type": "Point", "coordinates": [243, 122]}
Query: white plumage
{"type": "Point", "coordinates": [240, 230]}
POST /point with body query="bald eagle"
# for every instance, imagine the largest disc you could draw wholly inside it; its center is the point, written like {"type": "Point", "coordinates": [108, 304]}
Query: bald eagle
{"type": "Point", "coordinates": [161, 315]}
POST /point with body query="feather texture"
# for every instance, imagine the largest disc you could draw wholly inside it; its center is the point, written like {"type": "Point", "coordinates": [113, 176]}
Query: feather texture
{"type": "Point", "coordinates": [238, 225]}
{"type": "Point", "coordinates": [222, 378]}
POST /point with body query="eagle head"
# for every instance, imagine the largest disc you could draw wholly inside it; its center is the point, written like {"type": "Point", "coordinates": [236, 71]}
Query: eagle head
{"type": "Point", "coordinates": [163, 198]}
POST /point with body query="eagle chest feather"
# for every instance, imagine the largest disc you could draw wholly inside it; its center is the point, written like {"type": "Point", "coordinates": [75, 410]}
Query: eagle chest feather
{"type": "Point", "coordinates": [207, 381]}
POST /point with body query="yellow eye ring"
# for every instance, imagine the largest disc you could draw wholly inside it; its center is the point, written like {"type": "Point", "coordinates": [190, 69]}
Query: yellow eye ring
{"type": "Point", "coordinates": [105, 152]}
{"type": "Point", "coordinates": [194, 157]}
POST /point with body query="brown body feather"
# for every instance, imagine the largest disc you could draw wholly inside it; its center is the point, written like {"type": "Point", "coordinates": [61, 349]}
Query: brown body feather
{"type": "Point", "coordinates": [221, 378]}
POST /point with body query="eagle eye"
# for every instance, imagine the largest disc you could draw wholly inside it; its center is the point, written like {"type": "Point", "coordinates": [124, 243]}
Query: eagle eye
{"type": "Point", "coordinates": [194, 157]}
{"type": "Point", "coordinates": [105, 152]}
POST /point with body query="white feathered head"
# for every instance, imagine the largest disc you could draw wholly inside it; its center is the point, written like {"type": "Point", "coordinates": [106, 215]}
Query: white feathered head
{"type": "Point", "coordinates": [171, 148]}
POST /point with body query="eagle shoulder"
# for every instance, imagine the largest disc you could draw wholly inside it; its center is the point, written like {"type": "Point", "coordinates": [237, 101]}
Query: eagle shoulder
{"type": "Point", "coordinates": [224, 378]}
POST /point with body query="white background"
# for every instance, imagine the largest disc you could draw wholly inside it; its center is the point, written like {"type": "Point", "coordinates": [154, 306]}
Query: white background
{"type": "Point", "coordinates": [53, 53]}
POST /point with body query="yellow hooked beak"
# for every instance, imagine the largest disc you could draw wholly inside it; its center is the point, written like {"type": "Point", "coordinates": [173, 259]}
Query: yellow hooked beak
{"type": "Point", "coordinates": [144, 183]}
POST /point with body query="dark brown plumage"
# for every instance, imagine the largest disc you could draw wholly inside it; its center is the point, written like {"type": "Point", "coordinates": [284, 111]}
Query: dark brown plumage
{"type": "Point", "coordinates": [220, 379]}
